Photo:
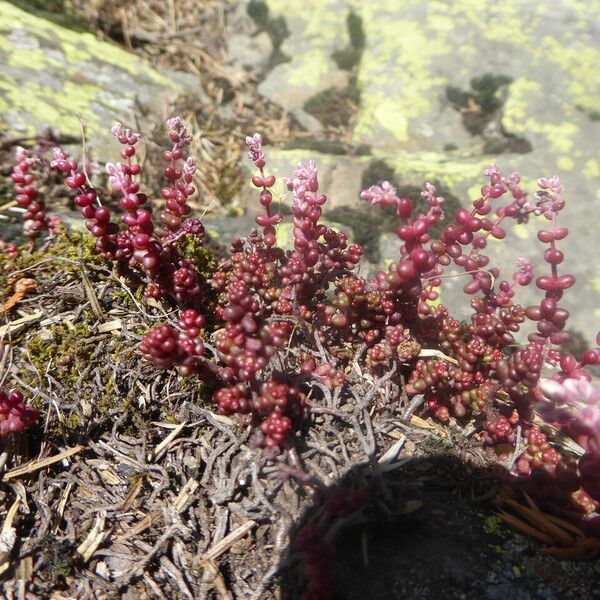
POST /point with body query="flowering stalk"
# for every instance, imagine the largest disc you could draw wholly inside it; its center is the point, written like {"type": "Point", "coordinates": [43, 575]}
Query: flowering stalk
{"type": "Point", "coordinates": [97, 216]}
{"type": "Point", "coordinates": [180, 179]}
{"type": "Point", "coordinates": [137, 248]}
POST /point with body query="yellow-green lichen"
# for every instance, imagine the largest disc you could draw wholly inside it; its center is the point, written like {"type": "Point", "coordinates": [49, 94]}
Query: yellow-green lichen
{"type": "Point", "coordinates": [579, 62]}
{"type": "Point", "coordinates": [591, 168]}
{"type": "Point", "coordinates": [517, 106]}
{"type": "Point", "coordinates": [436, 165]}
{"type": "Point", "coordinates": [64, 58]}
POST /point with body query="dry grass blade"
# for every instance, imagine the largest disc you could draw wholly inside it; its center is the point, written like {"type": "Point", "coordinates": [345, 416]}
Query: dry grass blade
{"type": "Point", "coordinates": [431, 353]}
{"type": "Point", "coordinates": [41, 464]}
{"type": "Point", "coordinates": [19, 324]}
{"type": "Point", "coordinates": [586, 548]}
{"type": "Point", "coordinates": [22, 287]}
{"type": "Point", "coordinates": [157, 452]}
{"type": "Point", "coordinates": [185, 494]}
{"type": "Point", "coordinates": [228, 541]}
{"type": "Point", "coordinates": [530, 501]}
{"type": "Point", "coordinates": [132, 495]}
{"type": "Point", "coordinates": [113, 325]}
{"type": "Point", "coordinates": [144, 524]}
{"type": "Point", "coordinates": [8, 536]}
{"type": "Point", "coordinates": [423, 424]}
{"type": "Point", "coordinates": [64, 498]}
{"type": "Point", "coordinates": [557, 520]}
{"type": "Point", "coordinates": [392, 452]}
{"type": "Point", "coordinates": [95, 537]}
{"type": "Point", "coordinates": [91, 295]}
{"type": "Point", "coordinates": [566, 525]}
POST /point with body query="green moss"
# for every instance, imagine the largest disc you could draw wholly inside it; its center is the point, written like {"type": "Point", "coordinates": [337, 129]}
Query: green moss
{"type": "Point", "coordinates": [66, 350]}
{"type": "Point", "coordinates": [348, 58]}
{"type": "Point", "coordinates": [377, 172]}
{"type": "Point", "coordinates": [334, 107]}
{"type": "Point", "coordinates": [71, 422]}
{"type": "Point", "coordinates": [200, 255]}
{"type": "Point", "coordinates": [77, 246]}
{"type": "Point", "coordinates": [58, 557]}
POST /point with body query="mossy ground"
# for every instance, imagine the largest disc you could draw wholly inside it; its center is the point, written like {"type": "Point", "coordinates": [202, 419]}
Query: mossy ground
{"type": "Point", "coordinates": [95, 374]}
{"type": "Point", "coordinates": [482, 105]}
{"type": "Point", "coordinates": [276, 27]}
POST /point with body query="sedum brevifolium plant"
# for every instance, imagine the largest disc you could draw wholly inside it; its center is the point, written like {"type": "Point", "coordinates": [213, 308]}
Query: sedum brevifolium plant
{"type": "Point", "coordinates": [269, 299]}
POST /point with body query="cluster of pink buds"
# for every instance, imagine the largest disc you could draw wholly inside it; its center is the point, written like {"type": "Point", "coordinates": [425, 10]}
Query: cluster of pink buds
{"type": "Point", "coordinates": [560, 476]}
{"type": "Point", "coordinates": [167, 347]}
{"type": "Point", "coordinates": [306, 209]}
{"type": "Point", "coordinates": [284, 407]}
{"type": "Point", "coordinates": [246, 344]}
{"type": "Point", "coordinates": [326, 373]}
{"type": "Point", "coordinates": [137, 247]}
{"type": "Point", "coordinates": [27, 195]}
{"type": "Point", "coordinates": [522, 367]}
{"type": "Point", "coordinates": [416, 260]}
{"type": "Point", "coordinates": [136, 244]}
{"type": "Point", "coordinates": [315, 547]}
{"type": "Point", "coordinates": [392, 345]}
{"type": "Point", "coordinates": [574, 402]}
{"type": "Point", "coordinates": [9, 250]}
{"type": "Point", "coordinates": [342, 503]}
{"type": "Point", "coordinates": [15, 415]}
{"type": "Point", "coordinates": [539, 454]}
{"type": "Point", "coordinates": [474, 227]}
{"type": "Point", "coordinates": [501, 429]}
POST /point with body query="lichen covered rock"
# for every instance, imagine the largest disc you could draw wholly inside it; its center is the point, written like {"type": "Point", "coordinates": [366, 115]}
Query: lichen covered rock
{"type": "Point", "coordinates": [53, 75]}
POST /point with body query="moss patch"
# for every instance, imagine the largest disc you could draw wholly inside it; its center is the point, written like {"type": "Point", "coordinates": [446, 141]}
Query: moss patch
{"type": "Point", "coordinates": [334, 107]}
{"type": "Point", "coordinates": [348, 58]}
{"type": "Point", "coordinates": [65, 350]}
{"type": "Point", "coordinates": [482, 105]}
{"type": "Point", "coordinates": [276, 27]}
